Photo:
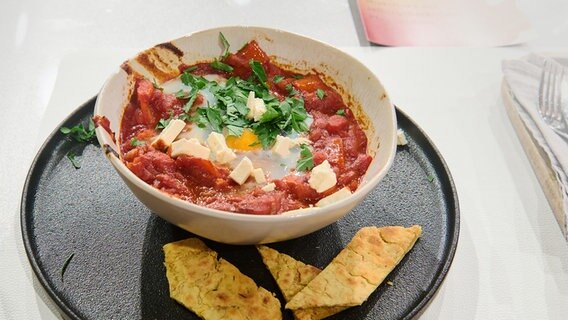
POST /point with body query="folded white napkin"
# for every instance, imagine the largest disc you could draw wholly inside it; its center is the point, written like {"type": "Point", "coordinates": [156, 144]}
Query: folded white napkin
{"type": "Point", "coordinates": [523, 76]}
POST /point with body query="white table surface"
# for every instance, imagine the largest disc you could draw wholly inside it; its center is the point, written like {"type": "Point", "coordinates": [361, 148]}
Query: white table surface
{"type": "Point", "coordinates": [511, 261]}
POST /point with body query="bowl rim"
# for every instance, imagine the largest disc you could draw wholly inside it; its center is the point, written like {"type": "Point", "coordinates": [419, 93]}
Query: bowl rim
{"type": "Point", "coordinates": [302, 213]}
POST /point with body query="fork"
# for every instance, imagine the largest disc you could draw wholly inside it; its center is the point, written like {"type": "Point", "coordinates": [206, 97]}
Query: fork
{"type": "Point", "coordinates": [553, 88]}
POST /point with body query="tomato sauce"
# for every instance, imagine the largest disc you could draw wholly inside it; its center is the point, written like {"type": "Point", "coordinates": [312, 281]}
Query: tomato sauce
{"type": "Point", "coordinates": [335, 134]}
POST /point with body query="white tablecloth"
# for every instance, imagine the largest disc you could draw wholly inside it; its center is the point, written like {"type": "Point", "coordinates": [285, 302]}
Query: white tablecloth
{"type": "Point", "coordinates": [511, 262]}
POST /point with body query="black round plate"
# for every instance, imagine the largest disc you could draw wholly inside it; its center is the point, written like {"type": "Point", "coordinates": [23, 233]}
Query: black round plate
{"type": "Point", "coordinates": [117, 272]}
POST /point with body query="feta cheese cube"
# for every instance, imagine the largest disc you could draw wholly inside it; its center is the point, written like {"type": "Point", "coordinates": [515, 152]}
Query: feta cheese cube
{"type": "Point", "coordinates": [282, 146]}
{"type": "Point", "coordinates": [258, 175]}
{"type": "Point", "coordinates": [322, 177]}
{"type": "Point", "coordinates": [169, 134]}
{"type": "Point", "coordinates": [401, 138]}
{"type": "Point", "coordinates": [225, 156]}
{"type": "Point", "coordinates": [190, 147]}
{"type": "Point", "coordinates": [242, 171]}
{"type": "Point", "coordinates": [259, 108]}
{"type": "Point", "coordinates": [216, 142]}
{"type": "Point", "coordinates": [334, 197]}
{"type": "Point", "coordinates": [269, 187]}
{"type": "Point", "coordinates": [256, 107]}
{"type": "Point", "coordinates": [250, 105]}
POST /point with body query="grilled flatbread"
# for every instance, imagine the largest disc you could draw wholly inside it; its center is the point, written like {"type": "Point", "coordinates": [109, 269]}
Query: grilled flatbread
{"type": "Point", "coordinates": [214, 289]}
{"type": "Point", "coordinates": [358, 269]}
{"type": "Point", "coordinates": [292, 276]}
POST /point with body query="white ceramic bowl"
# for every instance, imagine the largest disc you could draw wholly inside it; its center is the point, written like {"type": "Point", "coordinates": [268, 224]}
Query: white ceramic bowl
{"type": "Point", "coordinates": [359, 84]}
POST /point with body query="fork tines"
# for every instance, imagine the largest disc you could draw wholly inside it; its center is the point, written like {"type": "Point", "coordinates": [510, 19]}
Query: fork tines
{"type": "Point", "coordinates": [552, 92]}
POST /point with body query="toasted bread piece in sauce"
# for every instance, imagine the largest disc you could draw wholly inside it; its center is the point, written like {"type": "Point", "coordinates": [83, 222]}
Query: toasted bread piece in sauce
{"type": "Point", "coordinates": [292, 276]}
{"type": "Point", "coordinates": [358, 269]}
{"type": "Point", "coordinates": [214, 288]}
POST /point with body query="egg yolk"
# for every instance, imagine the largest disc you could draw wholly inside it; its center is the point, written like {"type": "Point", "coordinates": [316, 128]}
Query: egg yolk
{"type": "Point", "coordinates": [246, 142]}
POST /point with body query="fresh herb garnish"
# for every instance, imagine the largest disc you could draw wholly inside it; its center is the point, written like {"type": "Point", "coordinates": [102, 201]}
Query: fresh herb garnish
{"type": "Point", "coordinates": [430, 178]}
{"type": "Point", "coordinates": [214, 118]}
{"type": "Point", "coordinates": [221, 66]}
{"type": "Point", "coordinates": [163, 123]}
{"type": "Point", "coordinates": [320, 93]}
{"type": "Point", "coordinates": [200, 118]}
{"type": "Point", "coordinates": [269, 115]}
{"type": "Point", "coordinates": [135, 142]}
{"type": "Point", "coordinates": [231, 109]}
{"type": "Point", "coordinates": [235, 131]}
{"type": "Point", "coordinates": [258, 71]}
{"type": "Point", "coordinates": [340, 112]}
{"type": "Point", "coordinates": [192, 81]}
{"type": "Point", "coordinates": [290, 89]}
{"type": "Point", "coordinates": [306, 161]}
{"type": "Point", "coordinates": [298, 76]}
{"type": "Point", "coordinates": [225, 44]}
{"type": "Point", "coordinates": [196, 84]}
{"type": "Point", "coordinates": [79, 133]}
{"type": "Point", "coordinates": [184, 117]}
{"type": "Point", "coordinates": [181, 94]}
{"type": "Point", "coordinates": [71, 156]}
{"type": "Point", "coordinates": [190, 69]}
{"type": "Point", "coordinates": [187, 106]}
{"type": "Point", "coordinates": [285, 116]}
{"type": "Point", "coordinates": [277, 78]}
{"type": "Point", "coordinates": [65, 265]}
{"type": "Point", "coordinates": [156, 85]}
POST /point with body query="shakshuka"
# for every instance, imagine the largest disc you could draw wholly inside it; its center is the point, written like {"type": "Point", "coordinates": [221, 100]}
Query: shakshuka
{"type": "Point", "coordinates": [244, 134]}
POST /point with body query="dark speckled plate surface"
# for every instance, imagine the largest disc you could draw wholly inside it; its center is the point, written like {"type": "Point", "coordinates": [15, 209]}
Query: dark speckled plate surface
{"type": "Point", "coordinates": [117, 267]}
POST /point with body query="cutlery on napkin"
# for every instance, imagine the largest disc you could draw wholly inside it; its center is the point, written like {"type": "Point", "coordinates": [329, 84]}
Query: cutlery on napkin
{"type": "Point", "coordinates": [523, 77]}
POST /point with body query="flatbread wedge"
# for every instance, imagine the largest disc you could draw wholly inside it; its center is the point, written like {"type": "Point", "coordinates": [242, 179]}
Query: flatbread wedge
{"type": "Point", "coordinates": [358, 269]}
{"type": "Point", "coordinates": [292, 276]}
{"type": "Point", "coordinates": [214, 289]}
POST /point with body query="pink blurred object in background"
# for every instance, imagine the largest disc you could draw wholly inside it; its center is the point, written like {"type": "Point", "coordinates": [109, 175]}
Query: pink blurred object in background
{"type": "Point", "coordinates": [470, 23]}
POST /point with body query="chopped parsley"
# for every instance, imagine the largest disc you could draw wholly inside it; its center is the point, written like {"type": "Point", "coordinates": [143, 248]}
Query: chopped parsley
{"type": "Point", "coordinates": [277, 78]}
{"type": "Point", "coordinates": [156, 85]}
{"type": "Point", "coordinates": [231, 109]}
{"type": "Point", "coordinates": [190, 69]}
{"type": "Point", "coordinates": [71, 156]}
{"type": "Point", "coordinates": [286, 116]}
{"type": "Point", "coordinates": [213, 115]}
{"type": "Point", "coordinates": [225, 44]}
{"type": "Point", "coordinates": [258, 71]}
{"type": "Point", "coordinates": [163, 123]}
{"type": "Point", "coordinates": [192, 81]}
{"type": "Point", "coordinates": [66, 264]}
{"type": "Point", "coordinates": [291, 90]}
{"type": "Point", "coordinates": [80, 133]}
{"type": "Point", "coordinates": [135, 142]}
{"type": "Point", "coordinates": [340, 112]}
{"type": "Point", "coordinates": [320, 93]}
{"type": "Point", "coordinates": [221, 66]}
{"type": "Point", "coordinates": [430, 178]}
{"type": "Point", "coordinates": [306, 161]}
{"type": "Point", "coordinates": [182, 94]}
